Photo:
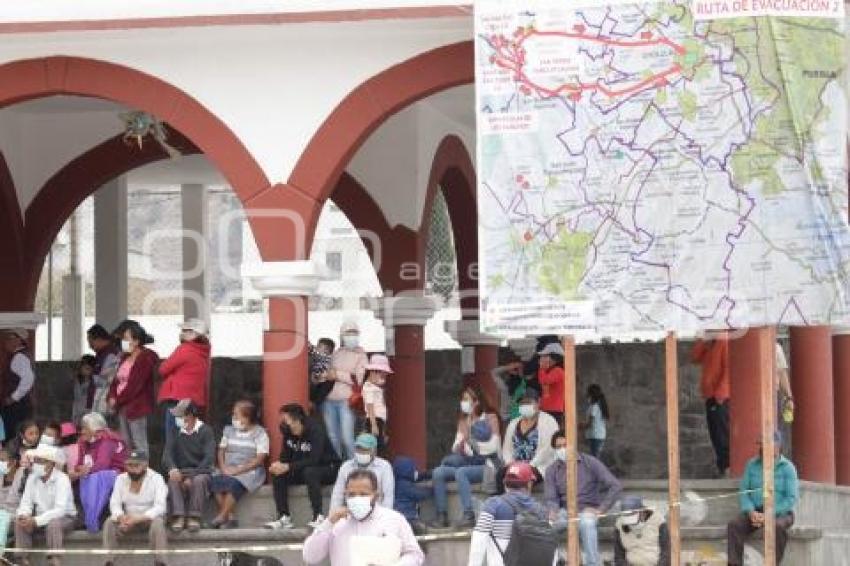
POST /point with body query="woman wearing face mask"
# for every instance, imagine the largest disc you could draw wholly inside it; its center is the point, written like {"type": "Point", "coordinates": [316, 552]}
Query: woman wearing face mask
{"type": "Point", "coordinates": [26, 439]}
{"type": "Point", "coordinates": [528, 438]}
{"type": "Point", "coordinates": [551, 378]}
{"type": "Point", "coordinates": [101, 454]}
{"type": "Point", "coordinates": [349, 367]}
{"type": "Point", "coordinates": [131, 394]}
{"type": "Point", "coordinates": [465, 464]}
{"type": "Point", "coordinates": [242, 454]}
{"type": "Point", "coordinates": [393, 540]}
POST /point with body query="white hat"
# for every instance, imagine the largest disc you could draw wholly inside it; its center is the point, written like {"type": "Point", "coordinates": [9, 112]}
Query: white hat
{"type": "Point", "coordinates": [196, 325]}
{"type": "Point", "coordinates": [552, 348]}
{"type": "Point", "coordinates": [47, 452]}
{"type": "Point", "coordinates": [349, 327]}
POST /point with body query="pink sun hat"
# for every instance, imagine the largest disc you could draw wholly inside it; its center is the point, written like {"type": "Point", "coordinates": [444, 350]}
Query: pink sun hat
{"type": "Point", "coordinates": [379, 362]}
{"type": "Point", "coordinates": [67, 429]}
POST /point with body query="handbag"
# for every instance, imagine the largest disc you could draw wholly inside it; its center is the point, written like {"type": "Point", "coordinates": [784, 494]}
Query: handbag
{"type": "Point", "coordinates": [355, 401]}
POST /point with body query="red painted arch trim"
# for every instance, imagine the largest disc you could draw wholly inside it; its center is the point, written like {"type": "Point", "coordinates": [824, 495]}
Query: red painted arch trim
{"type": "Point", "coordinates": [12, 258]}
{"type": "Point", "coordinates": [79, 179]}
{"type": "Point", "coordinates": [35, 78]}
{"type": "Point", "coordinates": [369, 105]}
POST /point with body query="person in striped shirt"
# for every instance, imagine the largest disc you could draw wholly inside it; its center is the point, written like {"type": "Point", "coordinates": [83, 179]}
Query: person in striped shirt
{"type": "Point", "coordinates": [492, 531]}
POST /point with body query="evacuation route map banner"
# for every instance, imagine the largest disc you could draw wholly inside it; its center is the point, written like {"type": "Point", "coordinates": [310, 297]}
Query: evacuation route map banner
{"type": "Point", "coordinates": [657, 166]}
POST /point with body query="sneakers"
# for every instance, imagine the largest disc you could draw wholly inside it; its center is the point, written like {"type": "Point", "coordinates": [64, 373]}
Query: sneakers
{"type": "Point", "coordinates": [317, 520]}
{"type": "Point", "coordinates": [442, 521]}
{"type": "Point", "coordinates": [281, 524]}
{"type": "Point", "coordinates": [467, 521]}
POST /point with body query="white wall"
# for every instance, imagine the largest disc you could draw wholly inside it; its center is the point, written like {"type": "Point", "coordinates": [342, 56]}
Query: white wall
{"type": "Point", "coordinates": [272, 85]}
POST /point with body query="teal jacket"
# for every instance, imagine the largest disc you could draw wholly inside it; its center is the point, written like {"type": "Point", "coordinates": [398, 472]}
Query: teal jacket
{"type": "Point", "coordinates": [786, 486]}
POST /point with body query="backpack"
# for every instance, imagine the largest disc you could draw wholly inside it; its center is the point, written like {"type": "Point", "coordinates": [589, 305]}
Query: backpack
{"type": "Point", "coordinates": [533, 540]}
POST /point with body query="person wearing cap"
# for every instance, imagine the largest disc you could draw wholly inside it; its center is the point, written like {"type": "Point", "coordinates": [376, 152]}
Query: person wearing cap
{"type": "Point", "coordinates": [362, 531]}
{"type": "Point", "coordinates": [242, 454]}
{"type": "Point", "coordinates": [528, 437]}
{"type": "Point", "coordinates": [598, 490]}
{"type": "Point", "coordinates": [138, 503]}
{"type": "Point", "coordinates": [377, 372]}
{"type": "Point", "coordinates": [17, 382]}
{"type": "Point", "coordinates": [186, 372]}
{"type": "Point", "coordinates": [101, 454]}
{"type": "Point", "coordinates": [641, 537]}
{"type": "Point", "coordinates": [349, 368]}
{"type": "Point", "coordinates": [492, 532]}
{"type": "Point", "coordinates": [131, 394]}
{"type": "Point", "coordinates": [366, 458]}
{"type": "Point", "coordinates": [550, 374]}
{"type": "Point", "coordinates": [47, 503]}
{"type": "Point", "coordinates": [189, 459]}
{"type": "Point", "coordinates": [307, 457]}
{"type": "Point", "coordinates": [786, 494]}
{"type": "Point", "coordinates": [107, 357]}
{"type": "Point", "coordinates": [465, 465]}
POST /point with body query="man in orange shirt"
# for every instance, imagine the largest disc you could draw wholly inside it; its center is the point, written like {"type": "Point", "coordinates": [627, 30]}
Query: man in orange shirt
{"type": "Point", "coordinates": [713, 356]}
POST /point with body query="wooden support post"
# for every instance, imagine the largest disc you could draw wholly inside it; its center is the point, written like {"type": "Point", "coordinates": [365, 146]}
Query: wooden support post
{"type": "Point", "coordinates": [767, 359]}
{"type": "Point", "coordinates": [571, 425]}
{"type": "Point", "coordinates": [671, 372]}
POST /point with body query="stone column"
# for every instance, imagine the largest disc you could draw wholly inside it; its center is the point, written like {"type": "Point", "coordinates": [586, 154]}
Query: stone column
{"type": "Point", "coordinates": [485, 355]}
{"type": "Point", "coordinates": [813, 429]}
{"type": "Point", "coordinates": [286, 288]}
{"type": "Point", "coordinates": [744, 403]}
{"type": "Point", "coordinates": [841, 396]}
{"type": "Point", "coordinates": [110, 253]}
{"type": "Point", "coordinates": [195, 216]}
{"type": "Point", "coordinates": [404, 318]}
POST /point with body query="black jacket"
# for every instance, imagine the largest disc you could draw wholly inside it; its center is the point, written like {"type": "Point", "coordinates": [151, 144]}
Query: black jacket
{"type": "Point", "coordinates": [312, 448]}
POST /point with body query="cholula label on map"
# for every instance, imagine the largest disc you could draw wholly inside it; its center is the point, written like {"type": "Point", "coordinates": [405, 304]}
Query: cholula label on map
{"type": "Point", "coordinates": [657, 166]}
{"type": "Point", "coordinates": [711, 9]}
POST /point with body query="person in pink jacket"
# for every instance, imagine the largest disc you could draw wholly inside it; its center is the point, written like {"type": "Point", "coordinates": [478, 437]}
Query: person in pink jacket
{"type": "Point", "coordinates": [349, 367]}
{"type": "Point", "coordinates": [362, 517]}
{"type": "Point", "coordinates": [185, 372]}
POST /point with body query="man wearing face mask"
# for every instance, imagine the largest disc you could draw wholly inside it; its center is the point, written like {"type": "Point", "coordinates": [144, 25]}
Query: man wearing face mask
{"type": "Point", "coordinates": [362, 530]}
{"type": "Point", "coordinates": [138, 503]}
{"type": "Point", "coordinates": [598, 490]}
{"type": "Point", "coordinates": [47, 503]}
{"type": "Point", "coordinates": [641, 537]}
{"type": "Point", "coordinates": [306, 458]}
{"type": "Point", "coordinates": [751, 519]}
{"type": "Point", "coordinates": [528, 437]}
{"type": "Point", "coordinates": [365, 458]}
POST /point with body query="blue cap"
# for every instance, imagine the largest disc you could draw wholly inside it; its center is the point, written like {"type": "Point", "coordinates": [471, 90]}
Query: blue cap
{"type": "Point", "coordinates": [366, 441]}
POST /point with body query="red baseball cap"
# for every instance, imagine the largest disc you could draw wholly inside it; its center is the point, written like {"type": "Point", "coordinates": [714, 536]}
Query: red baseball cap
{"type": "Point", "coordinates": [519, 472]}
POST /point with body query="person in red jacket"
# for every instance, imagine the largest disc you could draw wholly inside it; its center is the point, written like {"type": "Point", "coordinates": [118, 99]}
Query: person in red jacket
{"type": "Point", "coordinates": [186, 372]}
{"type": "Point", "coordinates": [131, 395]}
{"type": "Point", "coordinates": [551, 378]}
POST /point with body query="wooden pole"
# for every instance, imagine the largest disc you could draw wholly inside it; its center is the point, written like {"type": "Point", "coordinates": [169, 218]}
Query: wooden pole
{"type": "Point", "coordinates": [767, 360]}
{"type": "Point", "coordinates": [671, 372]}
{"type": "Point", "coordinates": [571, 425]}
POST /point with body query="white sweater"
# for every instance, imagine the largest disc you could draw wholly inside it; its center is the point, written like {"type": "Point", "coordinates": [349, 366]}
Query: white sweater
{"type": "Point", "coordinates": [547, 426]}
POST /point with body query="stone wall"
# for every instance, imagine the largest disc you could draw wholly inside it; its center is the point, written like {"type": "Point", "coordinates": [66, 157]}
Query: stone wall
{"type": "Point", "coordinates": [632, 376]}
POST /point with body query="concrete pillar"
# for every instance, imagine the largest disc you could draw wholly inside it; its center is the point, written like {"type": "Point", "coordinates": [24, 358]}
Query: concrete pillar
{"type": "Point", "coordinates": [485, 355]}
{"type": "Point", "coordinates": [813, 430]}
{"type": "Point", "coordinates": [404, 318]}
{"type": "Point", "coordinates": [286, 287]}
{"type": "Point", "coordinates": [194, 211]}
{"type": "Point", "coordinates": [27, 320]}
{"type": "Point", "coordinates": [744, 404]}
{"type": "Point", "coordinates": [73, 311]}
{"type": "Point", "coordinates": [841, 396]}
{"type": "Point", "coordinates": [110, 253]}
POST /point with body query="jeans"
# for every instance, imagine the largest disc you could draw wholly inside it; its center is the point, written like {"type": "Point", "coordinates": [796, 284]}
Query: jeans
{"type": "Point", "coordinates": [595, 446]}
{"type": "Point", "coordinates": [465, 470]}
{"type": "Point", "coordinates": [170, 427]}
{"type": "Point", "coordinates": [717, 416]}
{"type": "Point", "coordinates": [134, 432]}
{"type": "Point", "coordinates": [339, 421]}
{"type": "Point", "coordinates": [313, 476]}
{"type": "Point", "coordinates": [588, 535]}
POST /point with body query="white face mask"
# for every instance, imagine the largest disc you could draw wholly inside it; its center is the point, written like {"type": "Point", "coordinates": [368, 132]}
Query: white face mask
{"type": "Point", "coordinates": [237, 424]}
{"type": "Point", "coordinates": [351, 341]}
{"type": "Point", "coordinates": [360, 506]}
{"type": "Point", "coordinates": [561, 454]}
{"type": "Point", "coordinates": [527, 411]}
{"type": "Point", "coordinates": [180, 422]}
{"type": "Point", "coordinates": [38, 470]}
{"type": "Point", "coordinates": [125, 345]}
{"type": "Point", "coordinates": [47, 440]}
{"type": "Point", "coordinates": [363, 459]}
{"type": "Point", "coordinates": [4, 468]}
{"type": "Point", "coordinates": [466, 407]}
